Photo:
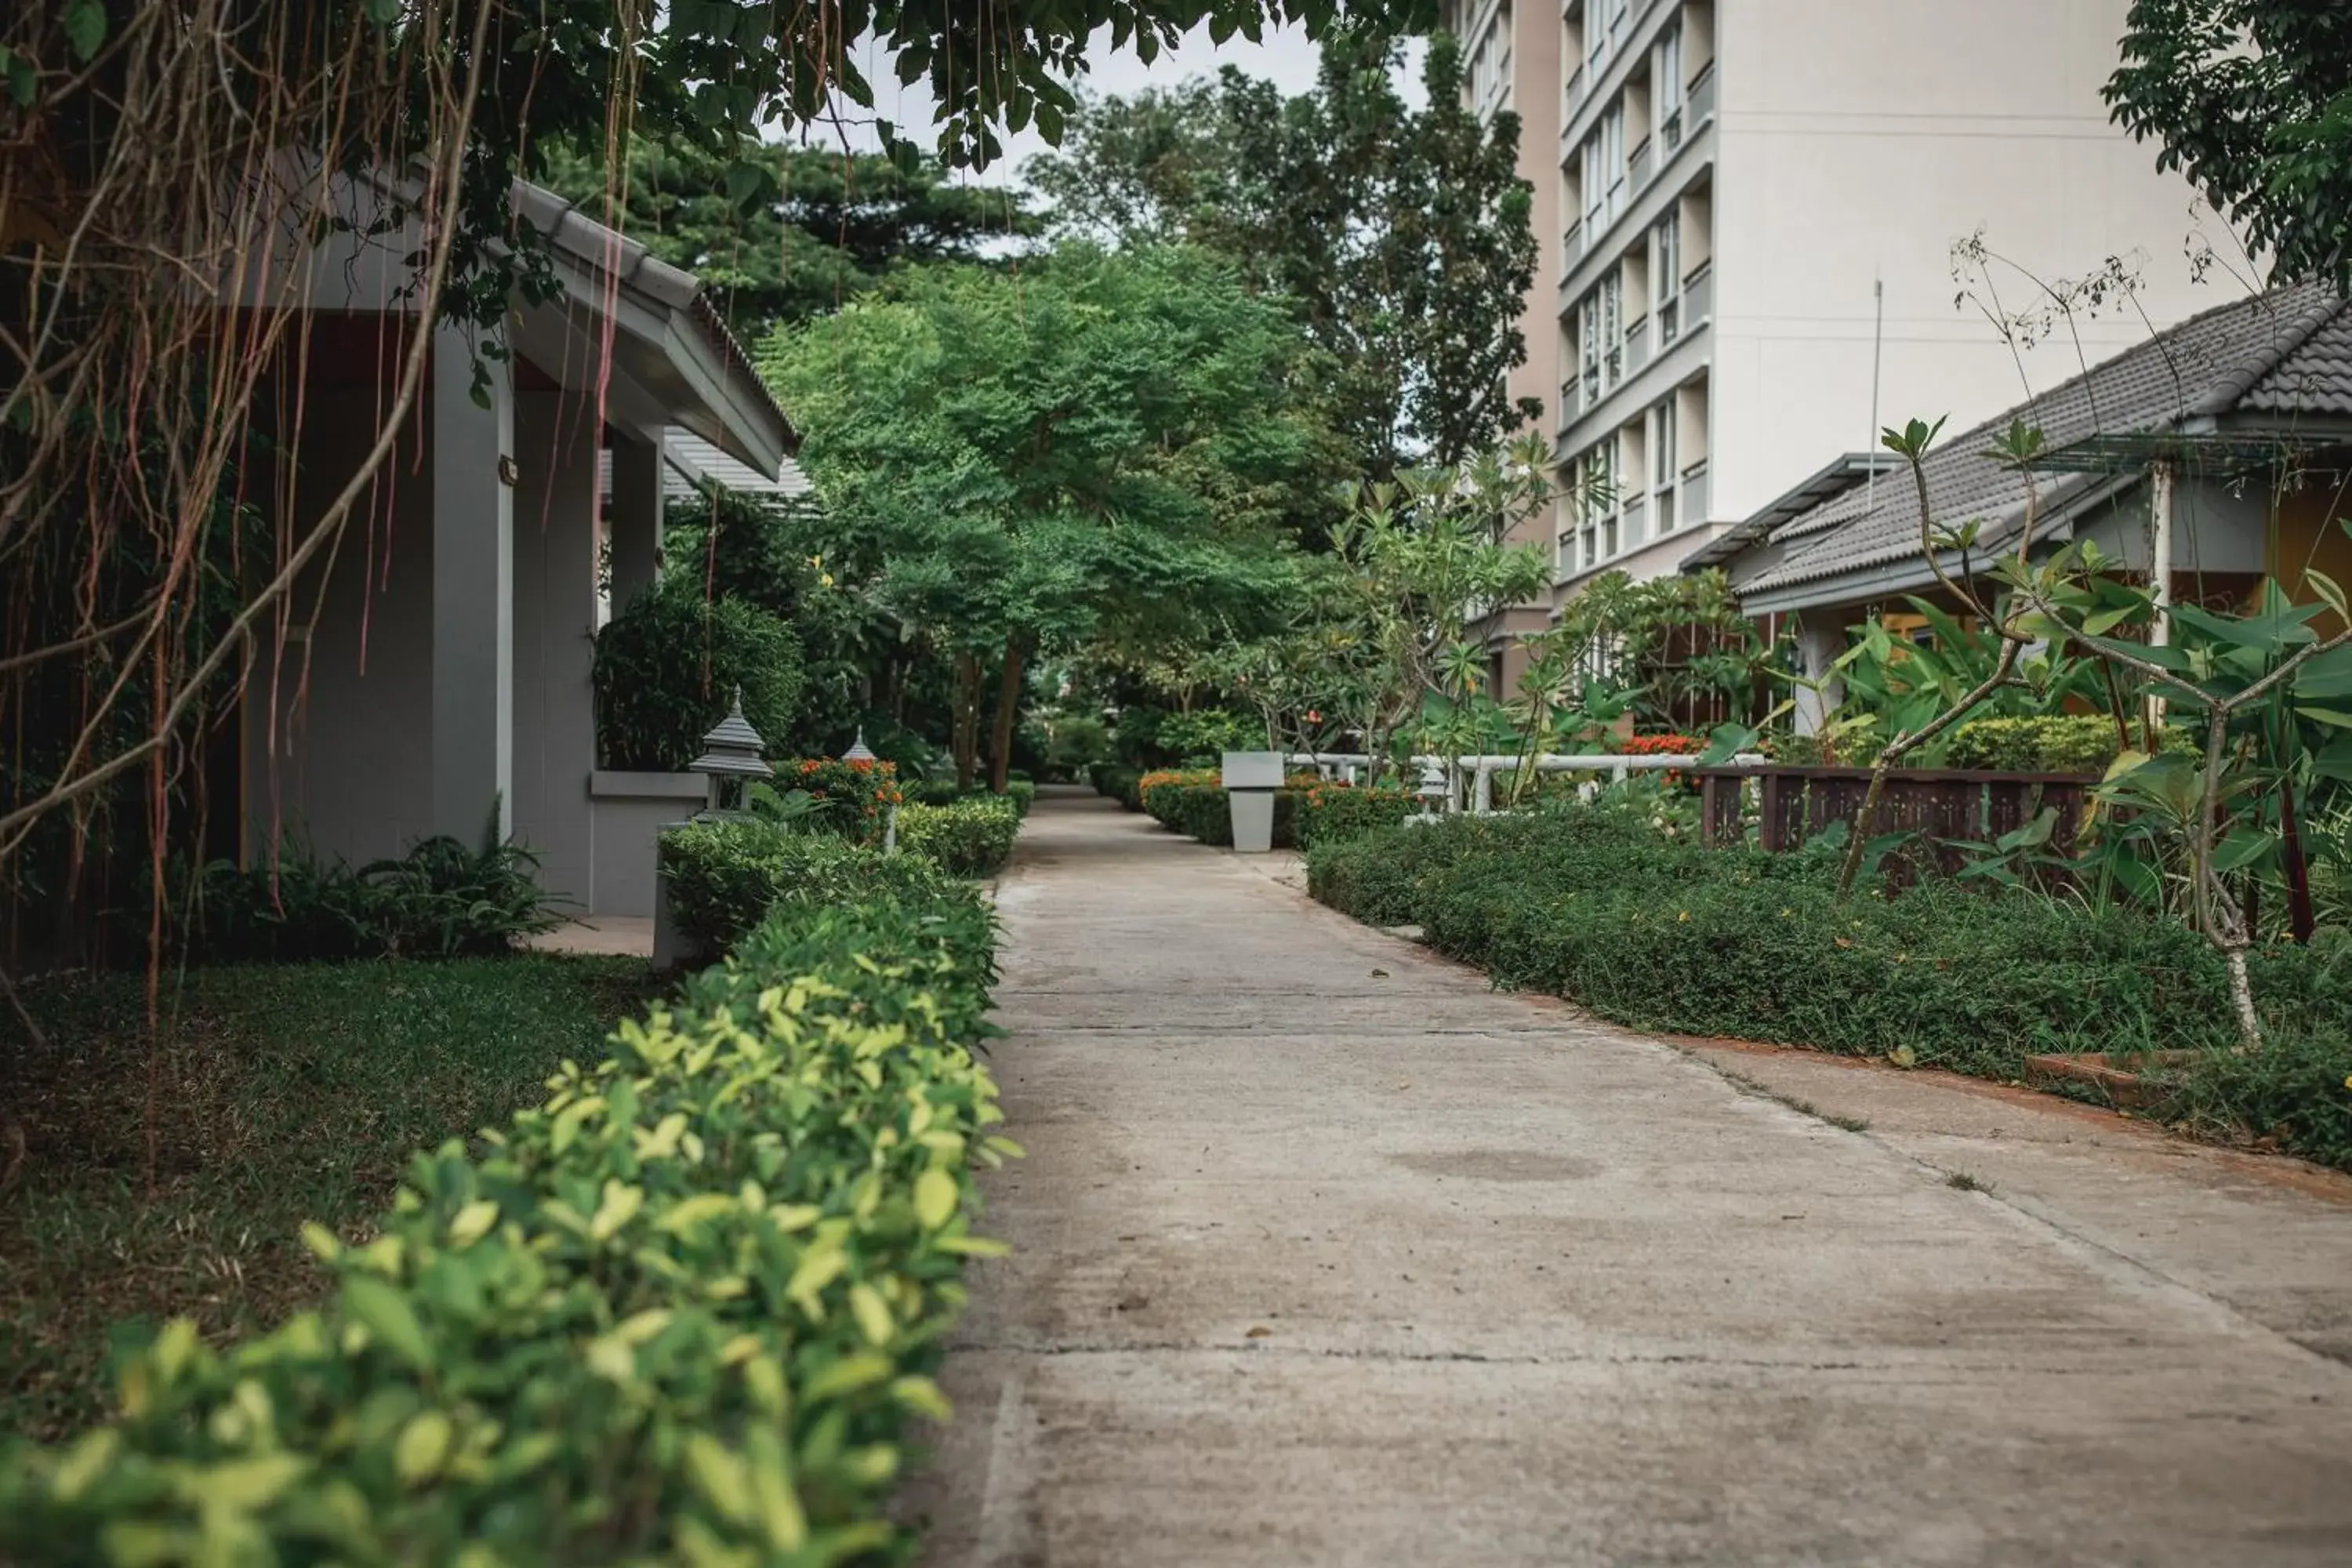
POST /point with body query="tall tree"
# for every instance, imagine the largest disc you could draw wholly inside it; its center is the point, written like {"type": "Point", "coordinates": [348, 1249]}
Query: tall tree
{"type": "Point", "coordinates": [824, 226]}
{"type": "Point", "coordinates": [2253, 100]}
{"type": "Point", "coordinates": [1091, 445]}
{"type": "Point", "coordinates": [1403, 234]}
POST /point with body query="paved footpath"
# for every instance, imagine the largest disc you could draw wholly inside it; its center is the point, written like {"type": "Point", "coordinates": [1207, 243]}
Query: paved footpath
{"type": "Point", "coordinates": [1326, 1253]}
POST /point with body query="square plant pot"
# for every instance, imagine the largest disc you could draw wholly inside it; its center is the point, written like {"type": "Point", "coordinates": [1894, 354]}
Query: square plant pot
{"type": "Point", "coordinates": [1250, 780]}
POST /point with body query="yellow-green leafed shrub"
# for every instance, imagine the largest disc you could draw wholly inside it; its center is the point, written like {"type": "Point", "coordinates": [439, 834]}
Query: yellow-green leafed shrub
{"type": "Point", "coordinates": [969, 837]}
{"type": "Point", "coordinates": [683, 1312]}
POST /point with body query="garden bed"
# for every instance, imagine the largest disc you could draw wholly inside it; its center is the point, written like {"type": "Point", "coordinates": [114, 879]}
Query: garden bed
{"type": "Point", "coordinates": [685, 1306]}
{"type": "Point", "coordinates": [1594, 906]}
{"type": "Point", "coordinates": [276, 1095]}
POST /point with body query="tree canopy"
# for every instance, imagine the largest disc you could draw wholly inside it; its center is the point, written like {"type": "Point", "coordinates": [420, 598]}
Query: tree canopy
{"type": "Point", "coordinates": [1403, 234]}
{"type": "Point", "coordinates": [2253, 100]}
{"type": "Point", "coordinates": [1095, 445]}
{"type": "Point", "coordinates": [833, 225]}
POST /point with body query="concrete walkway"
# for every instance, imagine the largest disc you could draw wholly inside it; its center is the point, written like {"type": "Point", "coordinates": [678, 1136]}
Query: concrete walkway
{"type": "Point", "coordinates": [1324, 1253]}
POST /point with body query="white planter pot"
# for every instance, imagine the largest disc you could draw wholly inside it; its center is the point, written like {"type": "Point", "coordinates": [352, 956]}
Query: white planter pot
{"type": "Point", "coordinates": [1250, 779]}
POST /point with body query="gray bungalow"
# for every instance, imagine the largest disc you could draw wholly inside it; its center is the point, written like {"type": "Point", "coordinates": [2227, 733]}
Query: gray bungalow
{"type": "Point", "coordinates": [437, 663]}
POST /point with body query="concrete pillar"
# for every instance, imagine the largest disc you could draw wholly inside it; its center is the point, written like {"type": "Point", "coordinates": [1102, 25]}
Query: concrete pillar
{"type": "Point", "coordinates": [473, 590]}
{"type": "Point", "coordinates": [636, 519]}
{"type": "Point", "coordinates": [1820, 641]}
{"type": "Point", "coordinates": [555, 501]}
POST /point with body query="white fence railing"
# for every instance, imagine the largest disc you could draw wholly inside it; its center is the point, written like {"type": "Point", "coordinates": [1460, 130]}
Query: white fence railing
{"type": "Point", "coordinates": [1471, 780]}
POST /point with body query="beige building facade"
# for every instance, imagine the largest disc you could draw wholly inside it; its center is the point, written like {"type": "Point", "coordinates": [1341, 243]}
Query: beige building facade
{"type": "Point", "coordinates": [1760, 211]}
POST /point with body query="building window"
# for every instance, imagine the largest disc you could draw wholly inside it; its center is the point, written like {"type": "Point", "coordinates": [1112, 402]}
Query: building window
{"type": "Point", "coordinates": [1669, 88]}
{"type": "Point", "coordinates": [1589, 358]}
{"type": "Point", "coordinates": [1663, 466]}
{"type": "Point", "coordinates": [1612, 157]}
{"type": "Point", "coordinates": [1665, 275]}
{"type": "Point", "coordinates": [1613, 326]}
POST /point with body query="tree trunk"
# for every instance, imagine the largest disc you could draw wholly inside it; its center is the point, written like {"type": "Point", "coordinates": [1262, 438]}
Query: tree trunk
{"type": "Point", "coordinates": [1008, 714]}
{"type": "Point", "coordinates": [967, 717]}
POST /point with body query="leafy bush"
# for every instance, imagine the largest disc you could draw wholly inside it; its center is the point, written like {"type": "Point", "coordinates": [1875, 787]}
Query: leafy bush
{"type": "Point", "coordinates": [1329, 811]}
{"type": "Point", "coordinates": [1667, 935]}
{"type": "Point", "coordinates": [441, 899]}
{"type": "Point", "coordinates": [2057, 743]}
{"type": "Point", "coordinates": [1209, 733]}
{"type": "Point", "coordinates": [726, 876]}
{"type": "Point", "coordinates": [967, 838]}
{"type": "Point", "coordinates": [668, 667]}
{"type": "Point", "coordinates": [682, 1310]}
{"type": "Point", "coordinates": [860, 795]}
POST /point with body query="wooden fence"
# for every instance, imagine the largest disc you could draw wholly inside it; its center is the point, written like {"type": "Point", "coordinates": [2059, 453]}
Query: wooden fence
{"type": "Point", "coordinates": [1944, 805]}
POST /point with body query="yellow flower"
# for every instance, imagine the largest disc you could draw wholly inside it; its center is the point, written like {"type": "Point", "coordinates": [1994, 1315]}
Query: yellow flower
{"type": "Point", "coordinates": [1684, 917]}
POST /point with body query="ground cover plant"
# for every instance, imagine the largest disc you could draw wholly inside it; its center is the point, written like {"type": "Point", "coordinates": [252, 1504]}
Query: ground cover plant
{"type": "Point", "coordinates": [1594, 905]}
{"type": "Point", "coordinates": [684, 1307]}
{"type": "Point", "coordinates": [173, 1177]}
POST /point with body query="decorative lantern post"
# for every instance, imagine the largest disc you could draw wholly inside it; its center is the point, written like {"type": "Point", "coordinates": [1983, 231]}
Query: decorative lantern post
{"type": "Point", "coordinates": [730, 759]}
{"type": "Point", "coordinates": [1433, 788]}
{"type": "Point", "coordinates": [859, 752]}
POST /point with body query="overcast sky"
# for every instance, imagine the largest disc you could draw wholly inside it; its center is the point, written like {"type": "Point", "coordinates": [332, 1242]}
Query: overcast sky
{"type": "Point", "coordinates": [1285, 58]}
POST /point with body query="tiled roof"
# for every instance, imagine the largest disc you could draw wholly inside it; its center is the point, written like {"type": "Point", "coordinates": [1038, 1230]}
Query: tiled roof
{"type": "Point", "coordinates": [630, 264]}
{"type": "Point", "coordinates": [2287, 352]}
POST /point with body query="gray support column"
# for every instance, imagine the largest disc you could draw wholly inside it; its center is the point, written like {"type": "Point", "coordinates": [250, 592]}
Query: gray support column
{"type": "Point", "coordinates": [556, 437]}
{"type": "Point", "coordinates": [635, 520]}
{"type": "Point", "coordinates": [1820, 640]}
{"type": "Point", "coordinates": [473, 592]}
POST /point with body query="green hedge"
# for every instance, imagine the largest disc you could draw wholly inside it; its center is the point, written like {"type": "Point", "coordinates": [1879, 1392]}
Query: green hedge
{"type": "Point", "coordinates": [725, 875]}
{"type": "Point", "coordinates": [2060, 743]}
{"type": "Point", "coordinates": [970, 838]}
{"type": "Point", "coordinates": [1736, 942]}
{"type": "Point", "coordinates": [1330, 813]}
{"type": "Point", "coordinates": [685, 1309]}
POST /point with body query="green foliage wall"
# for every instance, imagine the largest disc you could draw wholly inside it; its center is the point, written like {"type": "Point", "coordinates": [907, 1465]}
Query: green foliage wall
{"type": "Point", "coordinates": [668, 666]}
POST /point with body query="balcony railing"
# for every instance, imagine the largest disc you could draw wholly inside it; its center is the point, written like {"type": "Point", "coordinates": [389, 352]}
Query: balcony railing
{"type": "Point", "coordinates": [1638, 167]}
{"type": "Point", "coordinates": [1670, 319]}
{"type": "Point", "coordinates": [1637, 344]}
{"type": "Point", "coordinates": [1670, 130]}
{"type": "Point", "coordinates": [1702, 95]}
{"type": "Point", "coordinates": [1698, 295]}
{"type": "Point", "coordinates": [1694, 497]}
{"type": "Point", "coordinates": [1571, 402]}
{"type": "Point", "coordinates": [1612, 364]}
{"type": "Point", "coordinates": [1573, 93]}
{"type": "Point", "coordinates": [1668, 515]}
{"type": "Point", "coordinates": [1633, 534]}
{"type": "Point", "coordinates": [1571, 245]}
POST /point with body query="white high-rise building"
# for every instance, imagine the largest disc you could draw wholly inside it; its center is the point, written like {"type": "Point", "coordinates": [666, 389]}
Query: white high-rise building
{"type": "Point", "coordinates": [1751, 211]}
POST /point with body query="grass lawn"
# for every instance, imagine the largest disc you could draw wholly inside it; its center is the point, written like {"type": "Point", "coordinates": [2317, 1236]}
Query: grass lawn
{"type": "Point", "coordinates": [170, 1179]}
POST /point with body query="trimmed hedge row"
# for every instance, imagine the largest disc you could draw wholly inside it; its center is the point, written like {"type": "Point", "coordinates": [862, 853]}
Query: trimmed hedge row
{"type": "Point", "coordinates": [1021, 793]}
{"type": "Point", "coordinates": [1122, 784]}
{"type": "Point", "coordinates": [971, 837]}
{"type": "Point", "coordinates": [725, 877]}
{"type": "Point", "coordinates": [684, 1309]}
{"type": "Point", "coordinates": [1672, 936]}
